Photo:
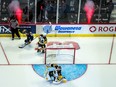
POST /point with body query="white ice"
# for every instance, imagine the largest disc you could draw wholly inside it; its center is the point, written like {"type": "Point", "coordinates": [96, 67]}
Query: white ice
{"type": "Point", "coordinates": [94, 51]}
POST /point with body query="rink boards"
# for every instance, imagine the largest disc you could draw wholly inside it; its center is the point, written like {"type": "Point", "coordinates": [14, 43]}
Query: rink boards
{"type": "Point", "coordinates": [64, 30]}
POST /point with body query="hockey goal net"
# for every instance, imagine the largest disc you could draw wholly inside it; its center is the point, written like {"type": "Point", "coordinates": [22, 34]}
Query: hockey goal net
{"type": "Point", "coordinates": [60, 53]}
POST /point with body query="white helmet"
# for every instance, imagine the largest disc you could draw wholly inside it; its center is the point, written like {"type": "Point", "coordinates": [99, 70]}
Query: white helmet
{"type": "Point", "coordinates": [44, 35]}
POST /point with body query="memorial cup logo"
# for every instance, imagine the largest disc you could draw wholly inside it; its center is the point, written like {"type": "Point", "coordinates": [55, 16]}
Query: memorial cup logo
{"type": "Point", "coordinates": [92, 29]}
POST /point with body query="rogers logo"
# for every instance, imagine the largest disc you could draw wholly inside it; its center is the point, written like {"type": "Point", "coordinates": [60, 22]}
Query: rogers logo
{"type": "Point", "coordinates": [107, 29]}
{"type": "Point", "coordinates": [92, 29]}
{"type": "Point", "coordinates": [102, 29]}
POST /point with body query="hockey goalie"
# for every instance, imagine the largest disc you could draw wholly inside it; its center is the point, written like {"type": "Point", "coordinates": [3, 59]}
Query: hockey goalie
{"type": "Point", "coordinates": [53, 74]}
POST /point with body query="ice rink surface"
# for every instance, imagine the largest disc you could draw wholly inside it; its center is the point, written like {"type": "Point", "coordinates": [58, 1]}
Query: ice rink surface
{"type": "Point", "coordinates": [99, 53]}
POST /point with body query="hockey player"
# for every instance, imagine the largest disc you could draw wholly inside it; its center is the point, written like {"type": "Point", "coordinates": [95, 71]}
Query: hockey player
{"type": "Point", "coordinates": [53, 73]}
{"type": "Point", "coordinates": [46, 73]}
{"type": "Point", "coordinates": [55, 76]}
{"type": "Point", "coordinates": [58, 78]}
{"type": "Point", "coordinates": [59, 70]}
{"type": "Point", "coordinates": [41, 43]}
{"type": "Point", "coordinates": [50, 72]}
{"type": "Point", "coordinates": [29, 38]}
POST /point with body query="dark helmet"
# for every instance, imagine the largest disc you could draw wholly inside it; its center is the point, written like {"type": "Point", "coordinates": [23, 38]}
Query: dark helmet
{"type": "Point", "coordinates": [12, 17]}
{"type": "Point", "coordinates": [41, 35]}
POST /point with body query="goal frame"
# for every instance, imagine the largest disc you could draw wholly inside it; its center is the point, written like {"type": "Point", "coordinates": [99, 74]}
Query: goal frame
{"type": "Point", "coordinates": [60, 48]}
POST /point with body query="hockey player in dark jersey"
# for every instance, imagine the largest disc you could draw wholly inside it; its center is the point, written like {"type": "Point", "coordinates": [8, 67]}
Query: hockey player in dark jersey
{"type": "Point", "coordinates": [29, 38]}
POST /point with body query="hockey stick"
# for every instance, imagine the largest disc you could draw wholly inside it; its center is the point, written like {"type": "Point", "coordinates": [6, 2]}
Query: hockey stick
{"type": "Point", "coordinates": [24, 45]}
{"type": "Point", "coordinates": [49, 28]}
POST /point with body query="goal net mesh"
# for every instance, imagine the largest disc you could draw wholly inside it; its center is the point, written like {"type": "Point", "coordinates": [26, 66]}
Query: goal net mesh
{"type": "Point", "coordinates": [60, 53]}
